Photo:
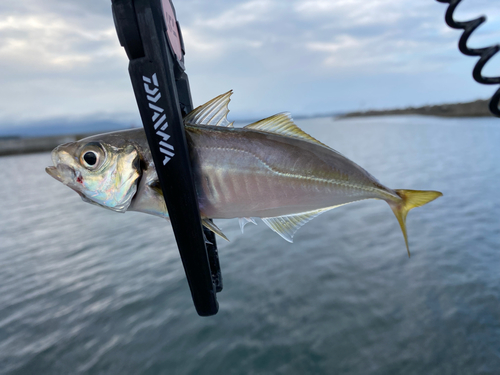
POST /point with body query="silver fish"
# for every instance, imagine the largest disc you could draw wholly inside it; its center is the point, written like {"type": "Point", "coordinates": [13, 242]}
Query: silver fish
{"type": "Point", "coordinates": [270, 169]}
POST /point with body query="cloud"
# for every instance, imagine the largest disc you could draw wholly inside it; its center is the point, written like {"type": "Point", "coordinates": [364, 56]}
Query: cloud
{"type": "Point", "coordinates": [59, 59]}
{"type": "Point", "coordinates": [352, 12]}
{"type": "Point", "coordinates": [330, 28]}
{"type": "Point", "coordinates": [63, 57]}
{"type": "Point", "coordinates": [240, 16]}
{"type": "Point", "coordinates": [48, 41]}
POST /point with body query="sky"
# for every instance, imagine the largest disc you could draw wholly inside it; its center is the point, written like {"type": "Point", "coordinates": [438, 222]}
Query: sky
{"type": "Point", "coordinates": [60, 60]}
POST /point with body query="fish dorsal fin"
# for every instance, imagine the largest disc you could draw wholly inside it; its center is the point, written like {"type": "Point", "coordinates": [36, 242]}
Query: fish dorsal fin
{"type": "Point", "coordinates": [286, 226]}
{"type": "Point", "coordinates": [213, 112]}
{"type": "Point", "coordinates": [214, 228]}
{"type": "Point", "coordinates": [282, 123]}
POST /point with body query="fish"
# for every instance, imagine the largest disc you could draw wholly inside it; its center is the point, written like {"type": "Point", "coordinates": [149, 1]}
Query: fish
{"type": "Point", "coordinates": [270, 169]}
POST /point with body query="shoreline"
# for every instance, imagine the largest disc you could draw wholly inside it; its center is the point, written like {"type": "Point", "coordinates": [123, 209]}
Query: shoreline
{"type": "Point", "coordinates": [477, 108]}
{"type": "Point", "coordinates": [18, 145]}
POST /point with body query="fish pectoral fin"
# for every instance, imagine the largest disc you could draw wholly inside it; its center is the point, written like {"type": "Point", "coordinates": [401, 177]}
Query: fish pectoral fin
{"type": "Point", "coordinates": [244, 221]}
{"type": "Point", "coordinates": [213, 112]}
{"type": "Point", "coordinates": [286, 226]}
{"type": "Point", "coordinates": [214, 228]}
{"type": "Point", "coordinates": [282, 123]}
{"type": "Point", "coordinates": [156, 187]}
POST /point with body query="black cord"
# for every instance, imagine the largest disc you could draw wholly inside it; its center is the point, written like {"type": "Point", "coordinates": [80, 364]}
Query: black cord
{"type": "Point", "coordinates": [485, 54]}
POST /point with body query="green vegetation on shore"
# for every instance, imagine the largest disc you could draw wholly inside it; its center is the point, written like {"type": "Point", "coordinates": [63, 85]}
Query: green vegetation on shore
{"type": "Point", "coordinates": [478, 108]}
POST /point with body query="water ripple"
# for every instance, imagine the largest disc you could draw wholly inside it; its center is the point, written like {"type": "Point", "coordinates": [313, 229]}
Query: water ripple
{"type": "Point", "coordinates": [87, 291]}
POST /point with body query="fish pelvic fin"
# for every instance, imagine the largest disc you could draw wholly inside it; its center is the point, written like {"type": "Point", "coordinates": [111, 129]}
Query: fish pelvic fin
{"type": "Point", "coordinates": [411, 199]}
{"type": "Point", "coordinates": [244, 221]}
{"type": "Point", "coordinates": [207, 223]}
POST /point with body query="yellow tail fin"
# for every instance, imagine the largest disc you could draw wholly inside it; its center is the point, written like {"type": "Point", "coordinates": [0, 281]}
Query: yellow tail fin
{"type": "Point", "coordinates": [411, 199]}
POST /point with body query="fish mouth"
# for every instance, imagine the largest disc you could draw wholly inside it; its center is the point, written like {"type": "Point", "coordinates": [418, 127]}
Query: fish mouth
{"type": "Point", "coordinates": [54, 172]}
{"type": "Point", "coordinates": [65, 175]}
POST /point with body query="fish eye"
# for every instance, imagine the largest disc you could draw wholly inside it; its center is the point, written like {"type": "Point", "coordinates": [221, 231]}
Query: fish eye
{"type": "Point", "coordinates": [90, 158]}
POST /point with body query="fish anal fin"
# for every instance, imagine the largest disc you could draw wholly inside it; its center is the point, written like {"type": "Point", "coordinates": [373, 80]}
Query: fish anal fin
{"type": "Point", "coordinates": [286, 226]}
{"type": "Point", "coordinates": [214, 228]}
{"type": "Point", "coordinates": [213, 112]}
{"type": "Point", "coordinates": [282, 123]}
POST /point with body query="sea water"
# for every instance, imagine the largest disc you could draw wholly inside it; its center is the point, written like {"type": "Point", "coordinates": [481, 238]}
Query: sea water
{"type": "Point", "coordinates": [84, 290]}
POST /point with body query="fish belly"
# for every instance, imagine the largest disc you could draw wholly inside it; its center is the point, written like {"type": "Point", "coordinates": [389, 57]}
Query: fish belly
{"type": "Point", "coordinates": [242, 173]}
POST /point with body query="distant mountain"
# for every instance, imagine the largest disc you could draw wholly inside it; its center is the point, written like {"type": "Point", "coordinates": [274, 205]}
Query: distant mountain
{"type": "Point", "coordinates": [478, 108]}
{"type": "Point", "coordinates": [91, 124]}
{"type": "Point", "coordinates": [63, 126]}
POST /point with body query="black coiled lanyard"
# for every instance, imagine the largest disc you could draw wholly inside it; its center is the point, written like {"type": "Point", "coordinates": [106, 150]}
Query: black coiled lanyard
{"type": "Point", "coordinates": [485, 54]}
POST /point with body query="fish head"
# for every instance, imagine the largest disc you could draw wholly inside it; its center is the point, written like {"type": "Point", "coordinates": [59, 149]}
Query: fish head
{"type": "Point", "coordinates": [101, 172]}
